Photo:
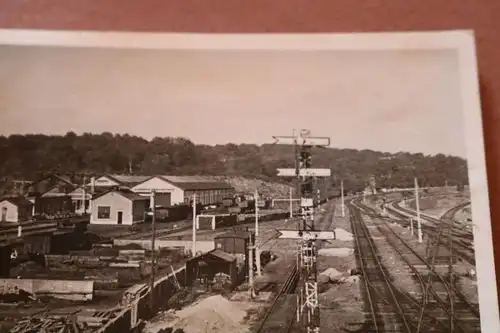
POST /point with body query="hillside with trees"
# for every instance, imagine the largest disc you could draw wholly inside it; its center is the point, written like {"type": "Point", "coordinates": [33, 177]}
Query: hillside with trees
{"type": "Point", "coordinates": [33, 156]}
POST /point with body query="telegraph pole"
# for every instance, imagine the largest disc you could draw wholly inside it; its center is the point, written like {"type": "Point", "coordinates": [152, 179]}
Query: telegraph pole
{"type": "Point", "coordinates": [256, 247]}
{"type": "Point", "coordinates": [417, 204]}
{"type": "Point", "coordinates": [194, 226]}
{"type": "Point", "coordinates": [342, 196]}
{"type": "Point", "coordinates": [256, 195]}
{"type": "Point", "coordinates": [308, 306]}
{"type": "Point", "coordinates": [84, 194]}
{"type": "Point", "coordinates": [153, 249]}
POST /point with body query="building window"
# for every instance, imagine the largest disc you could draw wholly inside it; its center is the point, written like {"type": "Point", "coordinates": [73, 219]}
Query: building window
{"type": "Point", "coordinates": [103, 212]}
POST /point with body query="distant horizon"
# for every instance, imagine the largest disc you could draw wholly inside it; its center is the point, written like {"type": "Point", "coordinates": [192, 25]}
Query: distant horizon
{"type": "Point", "coordinates": [222, 144]}
{"type": "Point", "coordinates": [403, 100]}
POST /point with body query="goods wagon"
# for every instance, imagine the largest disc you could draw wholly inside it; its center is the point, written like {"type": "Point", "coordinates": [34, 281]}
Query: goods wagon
{"type": "Point", "coordinates": [226, 221]}
{"type": "Point", "coordinates": [162, 214]}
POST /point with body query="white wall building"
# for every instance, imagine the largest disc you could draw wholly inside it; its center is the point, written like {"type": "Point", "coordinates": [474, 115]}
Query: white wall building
{"type": "Point", "coordinates": [182, 188]}
{"type": "Point", "coordinates": [117, 207]}
{"type": "Point", "coordinates": [15, 210]}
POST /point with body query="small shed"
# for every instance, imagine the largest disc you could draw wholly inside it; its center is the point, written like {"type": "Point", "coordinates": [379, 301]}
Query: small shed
{"type": "Point", "coordinates": [16, 210]}
{"type": "Point", "coordinates": [234, 242]}
{"type": "Point", "coordinates": [208, 266]}
{"type": "Point", "coordinates": [118, 207]}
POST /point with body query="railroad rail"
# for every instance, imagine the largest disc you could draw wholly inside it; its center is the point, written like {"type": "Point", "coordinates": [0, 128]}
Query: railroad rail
{"type": "Point", "coordinates": [451, 312]}
{"type": "Point", "coordinates": [382, 300]}
{"type": "Point", "coordinates": [279, 318]}
{"type": "Point", "coordinates": [462, 239]}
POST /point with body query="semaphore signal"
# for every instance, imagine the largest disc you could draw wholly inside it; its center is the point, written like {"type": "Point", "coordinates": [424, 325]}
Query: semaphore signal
{"type": "Point", "coordinates": [308, 305]}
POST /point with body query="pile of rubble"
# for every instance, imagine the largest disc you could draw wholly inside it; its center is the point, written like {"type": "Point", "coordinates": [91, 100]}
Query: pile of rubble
{"type": "Point", "coordinates": [214, 314]}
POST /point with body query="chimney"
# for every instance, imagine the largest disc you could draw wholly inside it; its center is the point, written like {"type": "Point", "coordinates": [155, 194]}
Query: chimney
{"type": "Point", "coordinates": [92, 185]}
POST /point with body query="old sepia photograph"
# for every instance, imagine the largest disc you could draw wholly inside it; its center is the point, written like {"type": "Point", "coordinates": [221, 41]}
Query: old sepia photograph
{"type": "Point", "coordinates": [243, 183]}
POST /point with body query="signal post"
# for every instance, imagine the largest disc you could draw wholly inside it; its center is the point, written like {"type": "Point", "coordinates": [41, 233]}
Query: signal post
{"type": "Point", "coordinates": [307, 234]}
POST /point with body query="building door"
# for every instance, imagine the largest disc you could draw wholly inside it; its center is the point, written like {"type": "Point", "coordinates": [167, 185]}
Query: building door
{"type": "Point", "coordinates": [4, 214]}
{"type": "Point", "coordinates": [120, 217]}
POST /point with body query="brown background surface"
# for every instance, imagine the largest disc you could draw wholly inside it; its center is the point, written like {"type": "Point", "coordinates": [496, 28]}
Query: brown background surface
{"type": "Point", "coordinates": [483, 16]}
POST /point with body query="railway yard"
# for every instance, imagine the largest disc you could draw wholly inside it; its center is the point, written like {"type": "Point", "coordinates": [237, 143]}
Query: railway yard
{"type": "Point", "coordinates": [375, 276]}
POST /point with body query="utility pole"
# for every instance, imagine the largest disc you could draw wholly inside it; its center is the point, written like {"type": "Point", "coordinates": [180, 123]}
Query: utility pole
{"type": "Point", "coordinates": [308, 306]}
{"type": "Point", "coordinates": [256, 195]}
{"type": "Point", "coordinates": [84, 194]}
{"type": "Point", "coordinates": [257, 250]}
{"type": "Point", "coordinates": [153, 248]}
{"type": "Point", "coordinates": [194, 226]}
{"type": "Point", "coordinates": [291, 203]}
{"type": "Point", "coordinates": [417, 204]}
{"type": "Point", "coordinates": [342, 196]}
{"type": "Point", "coordinates": [250, 270]}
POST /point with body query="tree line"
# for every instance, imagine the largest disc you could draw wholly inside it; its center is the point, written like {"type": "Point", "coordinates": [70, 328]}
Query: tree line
{"type": "Point", "coordinates": [30, 157]}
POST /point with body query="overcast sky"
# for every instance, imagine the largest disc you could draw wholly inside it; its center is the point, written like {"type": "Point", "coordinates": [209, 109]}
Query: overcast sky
{"type": "Point", "coordinates": [380, 100]}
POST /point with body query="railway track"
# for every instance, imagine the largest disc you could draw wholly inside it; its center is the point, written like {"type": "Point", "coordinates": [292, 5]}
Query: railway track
{"type": "Point", "coordinates": [461, 239]}
{"type": "Point", "coordinates": [440, 307]}
{"type": "Point", "coordinates": [281, 316]}
{"type": "Point", "coordinates": [383, 303]}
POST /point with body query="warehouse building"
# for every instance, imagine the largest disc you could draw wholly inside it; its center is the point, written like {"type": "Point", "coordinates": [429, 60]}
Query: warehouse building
{"type": "Point", "coordinates": [118, 207]}
{"type": "Point", "coordinates": [16, 210]}
{"type": "Point", "coordinates": [181, 188]}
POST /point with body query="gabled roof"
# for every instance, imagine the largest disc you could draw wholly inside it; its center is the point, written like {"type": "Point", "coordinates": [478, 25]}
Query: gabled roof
{"type": "Point", "coordinates": [216, 253]}
{"type": "Point", "coordinates": [126, 194]}
{"type": "Point", "coordinates": [88, 190]}
{"type": "Point", "coordinates": [196, 182]}
{"type": "Point", "coordinates": [128, 179]}
{"type": "Point", "coordinates": [64, 179]}
{"type": "Point", "coordinates": [222, 255]}
{"type": "Point", "coordinates": [18, 201]}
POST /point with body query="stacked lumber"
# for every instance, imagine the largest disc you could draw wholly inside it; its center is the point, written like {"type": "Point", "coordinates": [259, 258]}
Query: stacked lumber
{"type": "Point", "coordinates": [50, 325]}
